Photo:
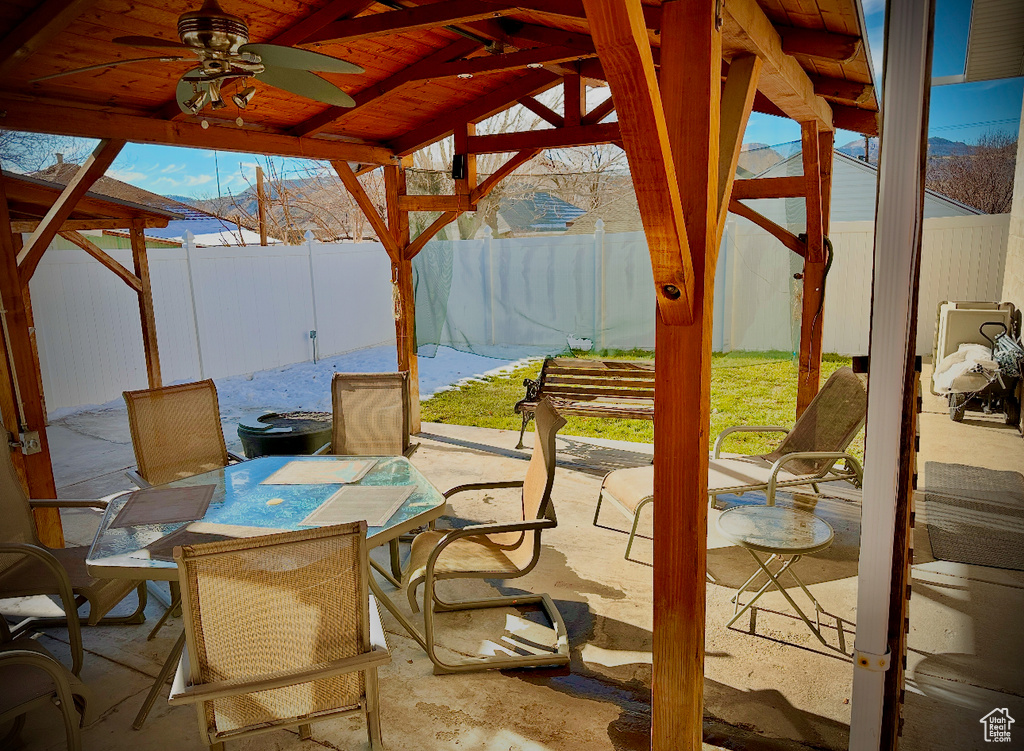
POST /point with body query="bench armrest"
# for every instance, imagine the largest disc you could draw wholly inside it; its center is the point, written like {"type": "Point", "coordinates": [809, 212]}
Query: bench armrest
{"type": "Point", "coordinates": [746, 429]}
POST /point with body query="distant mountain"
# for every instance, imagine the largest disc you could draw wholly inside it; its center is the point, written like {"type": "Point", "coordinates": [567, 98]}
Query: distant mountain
{"type": "Point", "coordinates": [937, 147]}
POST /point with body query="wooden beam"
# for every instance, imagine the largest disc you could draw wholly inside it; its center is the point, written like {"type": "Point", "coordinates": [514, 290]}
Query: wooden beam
{"type": "Point", "coordinates": [104, 153]}
{"type": "Point", "coordinates": [737, 101]}
{"type": "Point", "coordinates": [840, 90]}
{"type": "Point", "coordinates": [574, 98]}
{"type": "Point", "coordinates": [147, 313]}
{"type": "Point", "coordinates": [103, 257]}
{"type": "Point", "coordinates": [550, 138]}
{"type": "Point", "coordinates": [59, 119]}
{"type": "Point", "coordinates": [375, 91]}
{"type": "Point", "coordinates": [479, 109]}
{"type": "Point", "coordinates": [74, 225]}
{"type": "Point", "coordinates": [542, 111]}
{"type": "Point", "coordinates": [823, 45]}
{"type": "Point", "coordinates": [41, 25]}
{"type": "Point", "coordinates": [769, 187]}
{"type": "Point", "coordinates": [782, 234]}
{"type": "Point", "coordinates": [855, 119]}
{"type": "Point", "coordinates": [517, 161]}
{"type": "Point", "coordinates": [401, 279]}
{"type": "Point", "coordinates": [426, 235]}
{"type": "Point", "coordinates": [465, 185]}
{"type": "Point", "coordinates": [25, 388]}
{"type": "Point", "coordinates": [813, 302]}
{"type": "Point", "coordinates": [575, 9]}
{"type": "Point", "coordinates": [782, 79]}
{"type": "Point", "coordinates": [458, 203]}
{"type": "Point", "coordinates": [443, 13]}
{"type": "Point", "coordinates": [335, 10]}
{"type": "Point", "coordinates": [599, 113]}
{"type": "Point", "coordinates": [485, 64]}
{"type": "Point", "coordinates": [691, 60]}
{"type": "Point", "coordinates": [355, 189]}
{"type": "Point", "coordinates": [621, 37]}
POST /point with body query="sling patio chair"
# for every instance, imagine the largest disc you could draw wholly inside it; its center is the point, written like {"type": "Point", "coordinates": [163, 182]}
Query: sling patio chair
{"type": "Point", "coordinates": [281, 631]}
{"type": "Point", "coordinates": [29, 568]}
{"type": "Point", "coordinates": [806, 456]}
{"type": "Point", "coordinates": [372, 415]}
{"type": "Point", "coordinates": [176, 432]}
{"type": "Point", "coordinates": [493, 551]}
{"type": "Point", "coordinates": [32, 677]}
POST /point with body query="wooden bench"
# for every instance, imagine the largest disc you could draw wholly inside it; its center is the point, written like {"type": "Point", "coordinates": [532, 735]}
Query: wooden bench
{"type": "Point", "coordinates": [591, 388]}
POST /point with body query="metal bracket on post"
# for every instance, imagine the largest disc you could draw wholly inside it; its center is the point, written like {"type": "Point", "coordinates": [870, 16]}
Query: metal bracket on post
{"type": "Point", "coordinates": [874, 663]}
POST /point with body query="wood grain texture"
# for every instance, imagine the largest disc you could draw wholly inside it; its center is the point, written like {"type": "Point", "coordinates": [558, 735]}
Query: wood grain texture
{"type": "Point", "coordinates": [737, 102]}
{"type": "Point", "coordinates": [549, 138]}
{"type": "Point", "coordinates": [783, 235]}
{"type": "Point", "coordinates": [768, 187]}
{"type": "Point", "coordinates": [147, 313]}
{"type": "Point", "coordinates": [37, 29]}
{"type": "Point", "coordinates": [395, 186]}
{"type": "Point", "coordinates": [380, 227]}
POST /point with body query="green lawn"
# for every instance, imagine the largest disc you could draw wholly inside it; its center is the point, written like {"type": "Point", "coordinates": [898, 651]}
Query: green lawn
{"type": "Point", "coordinates": [747, 388]}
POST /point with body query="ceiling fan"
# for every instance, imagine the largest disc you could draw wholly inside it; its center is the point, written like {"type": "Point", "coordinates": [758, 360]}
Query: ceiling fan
{"type": "Point", "coordinates": [220, 42]}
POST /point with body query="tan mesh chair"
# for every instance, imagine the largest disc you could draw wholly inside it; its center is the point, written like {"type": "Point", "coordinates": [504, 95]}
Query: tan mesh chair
{"type": "Point", "coordinates": [281, 631]}
{"type": "Point", "coordinates": [372, 415]}
{"type": "Point", "coordinates": [807, 455]}
{"type": "Point", "coordinates": [176, 432]}
{"type": "Point", "coordinates": [493, 551]}
{"type": "Point", "coordinates": [27, 567]}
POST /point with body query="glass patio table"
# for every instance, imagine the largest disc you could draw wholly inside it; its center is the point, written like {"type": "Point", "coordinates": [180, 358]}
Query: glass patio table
{"type": "Point", "coordinates": [242, 506]}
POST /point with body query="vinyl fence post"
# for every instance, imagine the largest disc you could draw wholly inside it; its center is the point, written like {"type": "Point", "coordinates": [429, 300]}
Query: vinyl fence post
{"type": "Point", "coordinates": [190, 245]}
{"type": "Point", "coordinates": [312, 290]}
{"type": "Point", "coordinates": [599, 312]}
{"type": "Point", "coordinates": [489, 251]}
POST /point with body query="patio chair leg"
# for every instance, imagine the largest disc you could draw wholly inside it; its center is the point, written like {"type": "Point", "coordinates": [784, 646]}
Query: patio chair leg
{"type": "Point", "coordinates": [219, 746]}
{"type": "Point", "coordinates": [8, 741]}
{"type": "Point", "coordinates": [373, 711]}
{"type": "Point", "coordinates": [136, 617]}
{"type": "Point", "coordinates": [526, 421]}
{"type": "Point", "coordinates": [636, 521]}
{"type": "Point", "coordinates": [396, 559]}
{"type": "Point", "coordinates": [163, 619]}
{"type": "Point", "coordinates": [305, 732]}
{"type": "Point", "coordinates": [600, 497]}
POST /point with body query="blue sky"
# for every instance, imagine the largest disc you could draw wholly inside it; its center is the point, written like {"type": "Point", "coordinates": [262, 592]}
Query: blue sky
{"type": "Point", "coordinates": [961, 112]}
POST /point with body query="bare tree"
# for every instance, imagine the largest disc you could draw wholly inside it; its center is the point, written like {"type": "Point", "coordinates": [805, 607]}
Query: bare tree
{"type": "Point", "coordinates": [982, 178]}
{"type": "Point", "coordinates": [31, 152]}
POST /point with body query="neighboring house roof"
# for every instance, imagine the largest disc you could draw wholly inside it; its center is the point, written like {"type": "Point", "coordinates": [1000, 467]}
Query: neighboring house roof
{"type": "Point", "coordinates": [538, 212]}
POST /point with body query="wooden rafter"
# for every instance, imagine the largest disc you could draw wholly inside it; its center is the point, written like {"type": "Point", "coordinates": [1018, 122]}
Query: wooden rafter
{"type": "Point", "coordinates": [506, 169]}
{"type": "Point", "coordinates": [62, 119]}
{"type": "Point", "coordinates": [484, 64]}
{"type": "Point", "coordinates": [769, 187]}
{"type": "Point", "coordinates": [737, 101]}
{"type": "Point", "coordinates": [147, 313]}
{"type": "Point", "coordinates": [40, 26]}
{"type": "Point", "coordinates": [782, 234]}
{"type": "Point", "coordinates": [75, 225]}
{"type": "Point", "coordinates": [824, 45]}
{"type": "Point", "coordinates": [426, 235]}
{"type": "Point", "coordinates": [103, 257]}
{"type": "Point", "coordinates": [549, 138]}
{"type": "Point", "coordinates": [334, 11]}
{"type": "Point", "coordinates": [434, 203]}
{"type": "Point", "coordinates": [375, 91]}
{"type": "Point", "coordinates": [355, 188]}
{"type": "Point", "coordinates": [599, 113]}
{"type": "Point", "coordinates": [782, 79]}
{"type": "Point", "coordinates": [841, 90]}
{"type": "Point", "coordinates": [621, 37]}
{"type": "Point", "coordinates": [542, 111]}
{"type": "Point", "coordinates": [443, 13]}
{"type": "Point", "coordinates": [102, 156]}
{"type": "Point", "coordinates": [477, 110]}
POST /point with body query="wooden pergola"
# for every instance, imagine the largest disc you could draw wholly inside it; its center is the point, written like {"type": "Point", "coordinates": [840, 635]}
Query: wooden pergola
{"type": "Point", "coordinates": [684, 76]}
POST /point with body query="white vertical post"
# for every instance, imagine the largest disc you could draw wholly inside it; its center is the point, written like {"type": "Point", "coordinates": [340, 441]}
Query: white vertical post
{"type": "Point", "coordinates": [190, 245]}
{"type": "Point", "coordinates": [489, 252]}
{"type": "Point", "coordinates": [312, 289]}
{"type": "Point", "coordinates": [599, 314]}
{"type": "Point", "coordinates": [905, 81]}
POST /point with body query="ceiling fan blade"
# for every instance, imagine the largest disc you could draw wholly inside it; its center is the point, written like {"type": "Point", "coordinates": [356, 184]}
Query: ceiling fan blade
{"type": "Point", "coordinates": [149, 42]}
{"type": "Point", "coordinates": [87, 68]}
{"type": "Point", "coordinates": [305, 84]}
{"type": "Point", "coordinates": [296, 59]}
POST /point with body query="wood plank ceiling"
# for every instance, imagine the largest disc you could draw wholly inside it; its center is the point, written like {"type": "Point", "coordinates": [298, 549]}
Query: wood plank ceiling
{"type": "Point", "coordinates": [411, 93]}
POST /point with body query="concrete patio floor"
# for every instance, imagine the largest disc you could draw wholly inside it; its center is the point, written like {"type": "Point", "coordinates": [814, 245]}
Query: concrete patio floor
{"type": "Point", "coordinates": [778, 688]}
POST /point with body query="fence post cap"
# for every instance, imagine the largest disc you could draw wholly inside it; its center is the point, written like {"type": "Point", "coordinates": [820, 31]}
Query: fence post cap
{"type": "Point", "coordinates": [599, 225]}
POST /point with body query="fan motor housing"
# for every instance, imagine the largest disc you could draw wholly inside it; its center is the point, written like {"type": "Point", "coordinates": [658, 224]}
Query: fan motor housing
{"type": "Point", "coordinates": [212, 29]}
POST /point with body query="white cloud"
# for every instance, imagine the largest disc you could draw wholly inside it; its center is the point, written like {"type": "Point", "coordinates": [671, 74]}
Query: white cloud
{"type": "Point", "coordinates": [127, 175]}
{"type": "Point", "coordinates": [172, 168]}
{"type": "Point", "coordinates": [193, 181]}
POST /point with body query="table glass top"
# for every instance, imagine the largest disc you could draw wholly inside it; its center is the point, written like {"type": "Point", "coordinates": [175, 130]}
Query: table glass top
{"type": "Point", "coordinates": [775, 529]}
{"type": "Point", "coordinates": [240, 500]}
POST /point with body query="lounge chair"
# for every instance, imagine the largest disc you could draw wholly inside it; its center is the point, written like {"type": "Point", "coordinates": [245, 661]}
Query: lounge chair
{"type": "Point", "coordinates": [176, 432]}
{"type": "Point", "coordinates": [493, 551]}
{"type": "Point", "coordinates": [281, 632]}
{"type": "Point", "coordinates": [807, 455]}
{"type": "Point", "coordinates": [372, 415]}
{"type": "Point", "coordinates": [27, 567]}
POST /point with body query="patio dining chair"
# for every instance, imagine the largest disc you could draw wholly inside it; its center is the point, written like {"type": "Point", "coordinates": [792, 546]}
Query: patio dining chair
{"type": "Point", "coordinates": [372, 415]}
{"type": "Point", "coordinates": [281, 632]}
{"type": "Point", "coordinates": [807, 455]}
{"type": "Point", "coordinates": [176, 432]}
{"type": "Point", "coordinates": [494, 551]}
{"type": "Point", "coordinates": [29, 568]}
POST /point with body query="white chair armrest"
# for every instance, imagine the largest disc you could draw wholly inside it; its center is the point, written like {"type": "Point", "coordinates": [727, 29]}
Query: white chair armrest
{"type": "Point", "coordinates": [813, 455]}
{"type": "Point", "coordinates": [135, 477]}
{"type": "Point", "coordinates": [746, 429]}
{"type": "Point", "coordinates": [323, 450]}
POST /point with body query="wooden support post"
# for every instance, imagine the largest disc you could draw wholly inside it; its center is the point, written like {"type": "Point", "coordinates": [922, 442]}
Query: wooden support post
{"type": "Point", "coordinates": [31, 319]}
{"type": "Point", "coordinates": [574, 89]}
{"type": "Point", "coordinates": [691, 59]}
{"type": "Point", "coordinates": [146, 311]}
{"type": "Point", "coordinates": [23, 389]}
{"type": "Point", "coordinates": [401, 279]}
{"type": "Point", "coordinates": [817, 172]}
{"type": "Point", "coordinates": [261, 205]}
{"type": "Point", "coordinates": [465, 185]}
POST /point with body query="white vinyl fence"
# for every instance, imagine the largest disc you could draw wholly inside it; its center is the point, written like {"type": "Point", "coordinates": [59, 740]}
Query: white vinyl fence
{"type": "Point", "coordinates": [230, 311]}
{"type": "Point", "coordinates": [219, 311]}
